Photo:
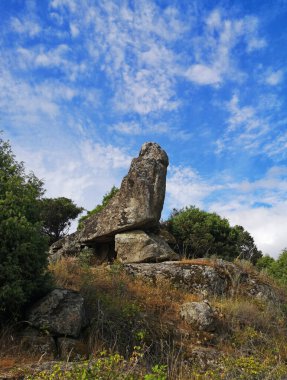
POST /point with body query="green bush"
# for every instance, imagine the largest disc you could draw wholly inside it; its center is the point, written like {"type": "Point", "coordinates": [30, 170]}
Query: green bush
{"type": "Point", "coordinates": [23, 247]}
{"type": "Point", "coordinates": [204, 234]}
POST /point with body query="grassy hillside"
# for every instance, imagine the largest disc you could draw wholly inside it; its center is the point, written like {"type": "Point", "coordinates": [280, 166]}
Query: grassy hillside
{"type": "Point", "coordinates": [136, 331]}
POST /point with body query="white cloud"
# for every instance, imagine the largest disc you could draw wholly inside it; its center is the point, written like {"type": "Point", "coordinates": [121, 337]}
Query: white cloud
{"type": "Point", "coordinates": [185, 187]}
{"type": "Point", "coordinates": [274, 78]}
{"type": "Point", "coordinates": [248, 127]}
{"type": "Point", "coordinates": [83, 173]}
{"type": "Point", "coordinates": [202, 74]}
{"type": "Point", "coordinates": [259, 206]}
{"type": "Point", "coordinates": [25, 26]}
{"type": "Point", "coordinates": [214, 49]}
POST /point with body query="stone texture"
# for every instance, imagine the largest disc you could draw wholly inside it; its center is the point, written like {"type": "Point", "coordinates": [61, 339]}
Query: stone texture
{"type": "Point", "coordinates": [199, 314]}
{"type": "Point", "coordinates": [140, 247]}
{"type": "Point", "coordinates": [139, 202]}
{"type": "Point", "coordinates": [36, 344]}
{"type": "Point", "coordinates": [68, 246]}
{"type": "Point", "coordinates": [213, 277]}
{"type": "Point", "coordinates": [61, 313]}
{"type": "Point", "coordinates": [200, 279]}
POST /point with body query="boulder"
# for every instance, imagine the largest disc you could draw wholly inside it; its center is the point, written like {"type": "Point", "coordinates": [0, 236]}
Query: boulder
{"type": "Point", "coordinates": [60, 313]}
{"type": "Point", "coordinates": [199, 314]}
{"type": "Point", "coordinates": [199, 279]}
{"type": "Point", "coordinates": [140, 247]}
{"type": "Point", "coordinates": [139, 202]}
{"type": "Point", "coordinates": [36, 344]}
{"type": "Point", "coordinates": [68, 246]}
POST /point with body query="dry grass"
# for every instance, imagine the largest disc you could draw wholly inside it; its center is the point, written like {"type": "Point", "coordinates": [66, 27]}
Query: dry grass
{"type": "Point", "coordinates": [128, 312]}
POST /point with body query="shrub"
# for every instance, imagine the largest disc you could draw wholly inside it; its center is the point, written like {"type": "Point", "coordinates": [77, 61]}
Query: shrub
{"type": "Point", "coordinates": [203, 234]}
{"type": "Point", "coordinates": [23, 248]}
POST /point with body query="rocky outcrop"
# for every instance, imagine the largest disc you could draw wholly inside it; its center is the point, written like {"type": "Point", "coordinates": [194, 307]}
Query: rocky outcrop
{"type": "Point", "coordinates": [68, 246]}
{"type": "Point", "coordinates": [60, 313]}
{"type": "Point", "coordinates": [140, 247]}
{"type": "Point", "coordinates": [139, 202]}
{"type": "Point", "coordinates": [137, 205]}
{"type": "Point", "coordinates": [200, 315]}
{"type": "Point", "coordinates": [205, 277]}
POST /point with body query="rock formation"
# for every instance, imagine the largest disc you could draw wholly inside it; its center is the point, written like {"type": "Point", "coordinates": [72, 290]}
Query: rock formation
{"type": "Point", "coordinates": [139, 247]}
{"type": "Point", "coordinates": [61, 313]}
{"type": "Point", "coordinates": [139, 202]}
{"type": "Point", "coordinates": [137, 206]}
{"type": "Point", "coordinates": [200, 315]}
{"type": "Point", "coordinates": [211, 278]}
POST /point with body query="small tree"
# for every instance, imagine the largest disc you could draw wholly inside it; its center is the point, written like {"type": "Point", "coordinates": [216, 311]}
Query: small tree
{"type": "Point", "coordinates": [23, 257]}
{"type": "Point", "coordinates": [106, 199]}
{"type": "Point", "coordinates": [56, 215]}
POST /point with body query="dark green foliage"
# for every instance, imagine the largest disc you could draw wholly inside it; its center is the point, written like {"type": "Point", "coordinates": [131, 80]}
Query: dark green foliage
{"type": "Point", "coordinates": [106, 198]}
{"type": "Point", "coordinates": [203, 234]}
{"type": "Point", "coordinates": [275, 268]}
{"type": "Point", "coordinates": [56, 215]}
{"type": "Point", "coordinates": [23, 247]}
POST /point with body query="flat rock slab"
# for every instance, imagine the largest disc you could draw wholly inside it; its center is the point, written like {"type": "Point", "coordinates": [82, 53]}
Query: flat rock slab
{"type": "Point", "coordinates": [140, 247]}
{"type": "Point", "coordinates": [61, 313]}
{"type": "Point", "coordinates": [194, 278]}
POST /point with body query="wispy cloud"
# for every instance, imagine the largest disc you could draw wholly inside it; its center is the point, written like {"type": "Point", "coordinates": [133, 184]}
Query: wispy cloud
{"type": "Point", "coordinates": [214, 54]}
{"type": "Point", "coordinates": [254, 128]}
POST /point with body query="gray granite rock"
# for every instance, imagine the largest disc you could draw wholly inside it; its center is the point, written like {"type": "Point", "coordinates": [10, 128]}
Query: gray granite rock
{"type": "Point", "coordinates": [140, 247]}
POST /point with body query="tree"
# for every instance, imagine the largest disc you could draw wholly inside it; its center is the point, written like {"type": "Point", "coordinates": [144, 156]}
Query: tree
{"type": "Point", "coordinates": [56, 215]}
{"type": "Point", "coordinates": [106, 199]}
{"type": "Point", "coordinates": [203, 234]}
{"type": "Point", "coordinates": [23, 248]}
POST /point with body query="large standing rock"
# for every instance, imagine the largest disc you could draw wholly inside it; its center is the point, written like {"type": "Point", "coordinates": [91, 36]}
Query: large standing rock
{"type": "Point", "coordinates": [61, 313]}
{"type": "Point", "coordinates": [139, 202]}
{"type": "Point", "coordinates": [140, 247]}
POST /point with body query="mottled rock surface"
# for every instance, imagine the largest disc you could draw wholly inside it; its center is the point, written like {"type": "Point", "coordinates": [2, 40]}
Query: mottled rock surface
{"type": "Point", "coordinates": [61, 313]}
{"type": "Point", "coordinates": [140, 247]}
{"type": "Point", "coordinates": [217, 277]}
{"type": "Point", "coordinates": [200, 315]}
{"type": "Point", "coordinates": [139, 202]}
{"type": "Point", "coordinates": [68, 246]}
{"type": "Point", "coordinates": [194, 278]}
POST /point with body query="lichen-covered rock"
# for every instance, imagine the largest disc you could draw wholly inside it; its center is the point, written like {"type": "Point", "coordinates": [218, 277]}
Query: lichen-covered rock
{"type": "Point", "coordinates": [201, 279]}
{"type": "Point", "coordinates": [199, 314]}
{"type": "Point", "coordinates": [36, 344]}
{"type": "Point", "coordinates": [140, 247]}
{"type": "Point", "coordinates": [68, 246]}
{"type": "Point", "coordinates": [206, 277]}
{"type": "Point", "coordinates": [139, 202]}
{"type": "Point", "coordinates": [61, 313]}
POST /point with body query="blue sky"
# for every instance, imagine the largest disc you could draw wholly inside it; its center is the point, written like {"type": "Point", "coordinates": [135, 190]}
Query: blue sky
{"type": "Point", "coordinates": [84, 83]}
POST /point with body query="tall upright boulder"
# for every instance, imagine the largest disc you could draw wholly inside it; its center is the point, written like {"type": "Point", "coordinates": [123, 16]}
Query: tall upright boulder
{"type": "Point", "coordinates": [139, 202]}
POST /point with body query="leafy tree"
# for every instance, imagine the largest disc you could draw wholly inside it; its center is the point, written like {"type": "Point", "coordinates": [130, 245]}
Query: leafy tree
{"type": "Point", "coordinates": [56, 215]}
{"type": "Point", "coordinates": [265, 263]}
{"type": "Point", "coordinates": [106, 199]}
{"type": "Point", "coordinates": [23, 247]}
{"type": "Point", "coordinates": [277, 268]}
{"type": "Point", "coordinates": [203, 234]}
